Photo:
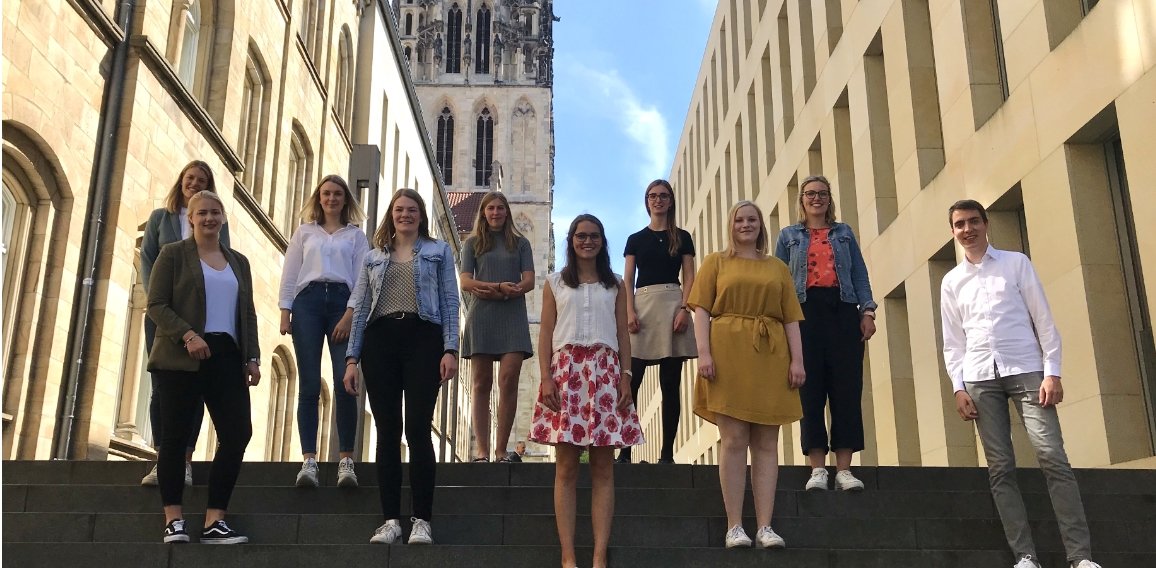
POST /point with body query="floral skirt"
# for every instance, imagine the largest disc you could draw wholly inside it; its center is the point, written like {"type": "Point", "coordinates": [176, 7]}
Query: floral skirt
{"type": "Point", "coordinates": [587, 380]}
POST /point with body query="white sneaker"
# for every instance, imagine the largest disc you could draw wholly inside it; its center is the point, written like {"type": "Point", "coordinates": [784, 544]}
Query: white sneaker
{"type": "Point", "coordinates": [387, 533]}
{"type": "Point", "coordinates": [818, 481]}
{"type": "Point", "coordinates": [1027, 562]}
{"type": "Point", "coordinates": [844, 481]}
{"type": "Point", "coordinates": [421, 533]}
{"type": "Point", "coordinates": [737, 538]}
{"type": "Point", "coordinates": [346, 477]}
{"type": "Point", "coordinates": [307, 477]}
{"type": "Point", "coordinates": [150, 478]}
{"type": "Point", "coordinates": [188, 474]}
{"type": "Point", "coordinates": [766, 538]}
{"type": "Point", "coordinates": [1086, 564]}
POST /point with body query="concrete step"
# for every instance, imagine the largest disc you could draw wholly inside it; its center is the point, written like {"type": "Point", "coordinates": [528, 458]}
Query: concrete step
{"type": "Point", "coordinates": [628, 531]}
{"type": "Point", "coordinates": [83, 555]}
{"type": "Point", "coordinates": [1092, 481]}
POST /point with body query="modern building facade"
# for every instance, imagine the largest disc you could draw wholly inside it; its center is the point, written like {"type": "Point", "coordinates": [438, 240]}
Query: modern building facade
{"type": "Point", "coordinates": [104, 102]}
{"type": "Point", "coordinates": [483, 70]}
{"type": "Point", "coordinates": [1039, 109]}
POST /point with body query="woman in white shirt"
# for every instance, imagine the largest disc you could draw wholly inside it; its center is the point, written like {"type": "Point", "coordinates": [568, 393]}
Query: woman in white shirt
{"type": "Point", "coordinates": [585, 401]}
{"type": "Point", "coordinates": [321, 268]}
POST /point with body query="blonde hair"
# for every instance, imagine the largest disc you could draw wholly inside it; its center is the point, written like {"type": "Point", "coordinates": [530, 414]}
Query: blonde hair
{"type": "Point", "coordinates": [802, 212]}
{"type": "Point", "coordinates": [383, 238]}
{"type": "Point", "coordinates": [481, 235]}
{"type": "Point", "coordinates": [206, 194]}
{"type": "Point", "coordinates": [176, 196]}
{"type": "Point", "coordinates": [350, 212]}
{"type": "Point", "coordinates": [760, 241]}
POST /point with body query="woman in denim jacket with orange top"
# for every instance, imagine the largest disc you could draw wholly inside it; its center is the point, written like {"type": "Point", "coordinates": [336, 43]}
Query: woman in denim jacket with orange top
{"type": "Point", "coordinates": [831, 282]}
{"type": "Point", "coordinates": [405, 336]}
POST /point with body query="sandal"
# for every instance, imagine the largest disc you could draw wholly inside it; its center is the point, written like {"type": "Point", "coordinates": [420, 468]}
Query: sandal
{"type": "Point", "coordinates": [505, 460]}
{"type": "Point", "coordinates": [480, 460]}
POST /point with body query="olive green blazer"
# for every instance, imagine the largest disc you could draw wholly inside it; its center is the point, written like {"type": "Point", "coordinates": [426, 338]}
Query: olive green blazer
{"type": "Point", "coordinates": [176, 304]}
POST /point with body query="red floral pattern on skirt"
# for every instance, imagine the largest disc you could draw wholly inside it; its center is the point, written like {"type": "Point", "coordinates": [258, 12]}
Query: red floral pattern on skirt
{"type": "Point", "coordinates": [587, 380]}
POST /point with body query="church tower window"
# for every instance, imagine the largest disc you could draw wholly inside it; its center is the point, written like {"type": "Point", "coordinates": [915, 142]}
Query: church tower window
{"type": "Point", "coordinates": [454, 40]}
{"type": "Point", "coordinates": [484, 153]}
{"type": "Point", "coordinates": [445, 145]}
{"type": "Point", "coordinates": [482, 45]}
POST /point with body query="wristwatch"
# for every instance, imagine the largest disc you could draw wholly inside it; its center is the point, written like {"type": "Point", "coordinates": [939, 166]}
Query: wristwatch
{"type": "Point", "coordinates": [256, 361]}
{"type": "Point", "coordinates": [869, 313]}
{"type": "Point", "coordinates": [453, 352]}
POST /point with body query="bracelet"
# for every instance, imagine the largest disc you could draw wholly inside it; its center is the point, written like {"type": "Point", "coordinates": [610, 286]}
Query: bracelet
{"type": "Point", "coordinates": [348, 363]}
{"type": "Point", "coordinates": [628, 373]}
{"type": "Point", "coordinates": [190, 339]}
{"type": "Point", "coordinates": [869, 315]}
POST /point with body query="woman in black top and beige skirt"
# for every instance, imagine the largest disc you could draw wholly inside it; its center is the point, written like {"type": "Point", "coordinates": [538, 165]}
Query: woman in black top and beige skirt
{"type": "Point", "coordinates": [661, 330]}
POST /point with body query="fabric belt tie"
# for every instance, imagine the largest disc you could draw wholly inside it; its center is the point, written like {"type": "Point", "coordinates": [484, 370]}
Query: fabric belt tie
{"type": "Point", "coordinates": [762, 328]}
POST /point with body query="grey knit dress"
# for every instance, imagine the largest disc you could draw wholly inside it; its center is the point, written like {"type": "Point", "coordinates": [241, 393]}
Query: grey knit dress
{"type": "Point", "coordinates": [496, 327]}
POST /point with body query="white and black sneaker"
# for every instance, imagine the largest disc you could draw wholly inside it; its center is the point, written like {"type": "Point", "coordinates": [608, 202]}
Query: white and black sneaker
{"type": "Point", "coordinates": [220, 533]}
{"type": "Point", "coordinates": [175, 531]}
{"type": "Point", "coordinates": [307, 477]}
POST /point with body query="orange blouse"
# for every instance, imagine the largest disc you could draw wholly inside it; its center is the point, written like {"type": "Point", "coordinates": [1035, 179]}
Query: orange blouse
{"type": "Point", "coordinates": [821, 261]}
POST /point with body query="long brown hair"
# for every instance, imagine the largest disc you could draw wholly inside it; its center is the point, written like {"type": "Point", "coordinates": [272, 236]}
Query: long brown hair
{"type": "Point", "coordinates": [802, 211]}
{"type": "Point", "coordinates": [601, 262]}
{"type": "Point", "coordinates": [672, 233]}
{"type": "Point", "coordinates": [350, 212]}
{"type": "Point", "coordinates": [510, 233]}
{"type": "Point", "coordinates": [760, 241]}
{"type": "Point", "coordinates": [176, 197]}
{"type": "Point", "coordinates": [383, 238]}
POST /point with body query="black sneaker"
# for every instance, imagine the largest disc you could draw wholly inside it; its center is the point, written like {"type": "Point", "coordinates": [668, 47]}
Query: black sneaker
{"type": "Point", "coordinates": [220, 533]}
{"type": "Point", "coordinates": [175, 531]}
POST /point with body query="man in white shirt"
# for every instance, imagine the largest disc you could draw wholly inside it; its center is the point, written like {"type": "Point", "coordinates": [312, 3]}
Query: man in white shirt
{"type": "Point", "coordinates": [1000, 344]}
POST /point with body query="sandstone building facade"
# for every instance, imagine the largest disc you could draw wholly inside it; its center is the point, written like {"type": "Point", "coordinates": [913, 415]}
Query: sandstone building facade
{"type": "Point", "coordinates": [1039, 109]}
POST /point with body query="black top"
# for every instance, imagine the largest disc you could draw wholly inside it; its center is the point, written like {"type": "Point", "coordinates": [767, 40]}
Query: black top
{"type": "Point", "coordinates": [651, 253]}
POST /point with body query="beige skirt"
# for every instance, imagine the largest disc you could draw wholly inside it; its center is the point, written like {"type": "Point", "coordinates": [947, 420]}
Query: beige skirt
{"type": "Point", "coordinates": [656, 307]}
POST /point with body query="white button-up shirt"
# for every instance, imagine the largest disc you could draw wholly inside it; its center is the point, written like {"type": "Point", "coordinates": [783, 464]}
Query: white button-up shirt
{"type": "Point", "coordinates": [316, 256]}
{"type": "Point", "coordinates": [995, 317]}
{"type": "Point", "coordinates": [586, 314]}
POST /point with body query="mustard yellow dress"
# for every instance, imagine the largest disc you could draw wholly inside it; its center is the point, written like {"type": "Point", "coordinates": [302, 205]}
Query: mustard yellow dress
{"type": "Point", "coordinates": [749, 300]}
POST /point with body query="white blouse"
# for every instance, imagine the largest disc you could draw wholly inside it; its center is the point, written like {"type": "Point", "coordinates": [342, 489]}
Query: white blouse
{"type": "Point", "coordinates": [317, 256]}
{"type": "Point", "coordinates": [585, 313]}
{"type": "Point", "coordinates": [220, 299]}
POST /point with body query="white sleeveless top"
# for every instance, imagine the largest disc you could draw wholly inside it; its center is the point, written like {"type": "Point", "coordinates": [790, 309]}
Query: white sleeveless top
{"type": "Point", "coordinates": [585, 313]}
{"type": "Point", "coordinates": [220, 300]}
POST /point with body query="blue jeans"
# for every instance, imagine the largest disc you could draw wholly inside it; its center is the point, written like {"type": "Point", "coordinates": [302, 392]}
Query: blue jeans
{"type": "Point", "coordinates": [196, 417]}
{"type": "Point", "coordinates": [316, 311]}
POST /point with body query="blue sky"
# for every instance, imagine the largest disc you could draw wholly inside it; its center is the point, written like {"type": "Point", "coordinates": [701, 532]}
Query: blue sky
{"type": "Point", "coordinates": [624, 71]}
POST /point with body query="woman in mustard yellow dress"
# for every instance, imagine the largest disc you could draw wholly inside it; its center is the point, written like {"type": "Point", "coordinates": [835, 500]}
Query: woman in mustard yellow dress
{"type": "Point", "coordinates": [750, 366]}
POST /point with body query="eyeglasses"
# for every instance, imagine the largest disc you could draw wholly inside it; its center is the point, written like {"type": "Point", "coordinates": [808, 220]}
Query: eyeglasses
{"type": "Point", "coordinates": [592, 237]}
{"type": "Point", "coordinates": [658, 197]}
{"type": "Point", "coordinates": [817, 194]}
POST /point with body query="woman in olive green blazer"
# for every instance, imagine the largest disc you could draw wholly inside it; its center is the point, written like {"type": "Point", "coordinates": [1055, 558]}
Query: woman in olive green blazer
{"type": "Point", "coordinates": [206, 348]}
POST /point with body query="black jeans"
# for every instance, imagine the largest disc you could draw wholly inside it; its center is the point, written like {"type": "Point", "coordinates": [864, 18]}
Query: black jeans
{"type": "Point", "coordinates": [402, 358]}
{"type": "Point", "coordinates": [220, 382]}
{"type": "Point", "coordinates": [833, 359]}
{"type": "Point", "coordinates": [669, 378]}
{"type": "Point", "coordinates": [198, 416]}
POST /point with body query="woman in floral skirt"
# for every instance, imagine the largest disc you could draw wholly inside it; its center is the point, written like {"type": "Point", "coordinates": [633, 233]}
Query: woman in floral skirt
{"type": "Point", "coordinates": [585, 400]}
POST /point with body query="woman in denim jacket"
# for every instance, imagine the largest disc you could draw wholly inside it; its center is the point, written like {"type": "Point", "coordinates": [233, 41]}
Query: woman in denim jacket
{"type": "Point", "coordinates": [831, 282]}
{"type": "Point", "coordinates": [405, 335]}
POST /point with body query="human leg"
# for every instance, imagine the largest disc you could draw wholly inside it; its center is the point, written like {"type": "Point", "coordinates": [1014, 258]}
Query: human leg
{"type": "Point", "coordinates": [601, 500]}
{"type": "Point", "coordinates": [308, 334]}
{"type": "Point", "coordinates": [345, 404]}
{"type": "Point", "coordinates": [509, 371]}
{"type": "Point", "coordinates": [669, 381]}
{"type": "Point", "coordinates": [637, 372]}
{"type": "Point", "coordinates": [226, 395]}
{"type": "Point", "coordinates": [565, 506]}
{"type": "Point", "coordinates": [732, 465]}
{"type": "Point", "coordinates": [381, 375]}
{"type": "Point", "coordinates": [421, 382]}
{"type": "Point", "coordinates": [482, 383]}
{"type": "Point", "coordinates": [178, 392]}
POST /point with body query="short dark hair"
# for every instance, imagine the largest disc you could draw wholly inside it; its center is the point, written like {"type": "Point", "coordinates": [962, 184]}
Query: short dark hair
{"type": "Point", "coordinates": [966, 205]}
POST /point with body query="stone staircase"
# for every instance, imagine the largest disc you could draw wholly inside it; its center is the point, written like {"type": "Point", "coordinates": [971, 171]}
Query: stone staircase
{"type": "Point", "coordinates": [75, 514]}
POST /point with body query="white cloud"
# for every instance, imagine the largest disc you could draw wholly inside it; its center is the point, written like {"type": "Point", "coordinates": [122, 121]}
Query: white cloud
{"type": "Point", "coordinates": [709, 6]}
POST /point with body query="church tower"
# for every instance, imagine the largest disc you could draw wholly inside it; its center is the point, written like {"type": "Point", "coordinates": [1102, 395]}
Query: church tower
{"type": "Point", "coordinates": [483, 71]}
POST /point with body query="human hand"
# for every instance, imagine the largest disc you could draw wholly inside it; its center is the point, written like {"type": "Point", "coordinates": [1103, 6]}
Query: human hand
{"type": "Point", "coordinates": [449, 366]}
{"type": "Point", "coordinates": [286, 322]}
{"type": "Point", "coordinates": [1051, 391]}
{"type": "Point", "coordinates": [625, 396]}
{"type": "Point", "coordinates": [252, 373]}
{"type": "Point", "coordinates": [350, 379]}
{"type": "Point", "coordinates": [796, 374]}
{"type": "Point", "coordinates": [548, 395]}
{"type": "Point", "coordinates": [681, 321]}
{"type": "Point", "coordinates": [705, 366]}
{"type": "Point", "coordinates": [197, 348]}
{"type": "Point", "coordinates": [341, 330]}
{"type": "Point", "coordinates": [632, 323]}
{"type": "Point", "coordinates": [965, 406]}
{"type": "Point", "coordinates": [867, 327]}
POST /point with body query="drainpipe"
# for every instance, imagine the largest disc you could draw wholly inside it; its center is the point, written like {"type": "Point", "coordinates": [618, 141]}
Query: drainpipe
{"type": "Point", "coordinates": [101, 183]}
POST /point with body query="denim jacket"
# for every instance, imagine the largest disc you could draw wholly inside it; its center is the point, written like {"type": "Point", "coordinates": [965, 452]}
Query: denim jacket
{"type": "Point", "coordinates": [854, 288]}
{"type": "Point", "coordinates": [435, 278]}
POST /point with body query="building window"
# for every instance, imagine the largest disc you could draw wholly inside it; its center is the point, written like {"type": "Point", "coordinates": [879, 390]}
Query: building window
{"type": "Point", "coordinates": [16, 216]}
{"type": "Point", "coordinates": [484, 155]}
{"type": "Point", "coordinates": [482, 47]}
{"type": "Point", "coordinates": [312, 26]}
{"type": "Point", "coordinates": [300, 174]}
{"type": "Point", "coordinates": [445, 145]}
{"type": "Point", "coordinates": [454, 40]}
{"type": "Point", "coordinates": [190, 45]}
{"type": "Point", "coordinates": [255, 119]}
{"type": "Point", "coordinates": [282, 399]}
{"type": "Point", "coordinates": [344, 92]}
{"type": "Point", "coordinates": [409, 24]}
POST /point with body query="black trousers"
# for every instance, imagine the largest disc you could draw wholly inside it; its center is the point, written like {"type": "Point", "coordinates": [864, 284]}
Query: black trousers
{"type": "Point", "coordinates": [402, 359]}
{"type": "Point", "coordinates": [220, 382]}
{"type": "Point", "coordinates": [833, 359]}
{"type": "Point", "coordinates": [155, 399]}
{"type": "Point", "coordinates": [669, 378]}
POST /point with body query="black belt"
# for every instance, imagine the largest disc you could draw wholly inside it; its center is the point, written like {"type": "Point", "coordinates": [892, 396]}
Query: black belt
{"type": "Point", "coordinates": [400, 316]}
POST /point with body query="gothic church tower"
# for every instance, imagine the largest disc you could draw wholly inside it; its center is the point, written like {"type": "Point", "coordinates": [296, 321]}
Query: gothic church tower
{"type": "Point", "coordinates": [483, 70]}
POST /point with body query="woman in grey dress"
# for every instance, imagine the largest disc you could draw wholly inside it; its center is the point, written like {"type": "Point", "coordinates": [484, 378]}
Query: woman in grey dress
{"type": "Point", "coordinates": [497, 273]}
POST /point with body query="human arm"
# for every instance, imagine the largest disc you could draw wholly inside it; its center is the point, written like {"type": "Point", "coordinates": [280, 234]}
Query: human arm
{"type": "Point", "coordinates": [1032, 291]}
{"type": "Point", "coordinates": [449, 305]}
{"type": "Point", "coordinates": [796, 374]}
{"type": "Point", "coordinates": [547, 389]}
{"type": "Point", "coordinates": [682, 318]}
{"type": "Point", "coordinates": [632, 323]}
{"type": "Point", "coordinates": [526, 264]}
{"type": "Point", "coordinates": [150, 246]}
{"type": "Point", "coordinates": [290, 269]}
{"type": "Point", "coordinates": [625, 395]}
{"type": "Point", "coordinates": [862, 284]}
{"type": "Point", "coordinates": [252, 341]}
{"type": "Point", "coordinates": [954, 343]}
{"type": "Point", "coordinates": [702, 298]}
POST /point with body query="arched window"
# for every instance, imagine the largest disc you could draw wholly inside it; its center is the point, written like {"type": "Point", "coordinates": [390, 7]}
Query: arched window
{"type": "Point", "coordinates": [482, 42]}
{"type": "Point", "coordinates": [300, 178]}
{"type": "Point", "coordinates": [344, 94]}
{"type": "Point", "coordinates": [252, 135]}
{"type": "Point", "coordinates": [190, 44]}
{"type": "Point", "coordinates": [445, 145]}
{"type": "Point", "coordinates": [409, 24]}
{"type": "Point", "coordinates": [313, 28]}
{"type": "Point", "coordinates": [484, 150]}
{"type": "Point", "coordinates": [454, 40]}
{"type": "Point", "coordinates": [282, 401]}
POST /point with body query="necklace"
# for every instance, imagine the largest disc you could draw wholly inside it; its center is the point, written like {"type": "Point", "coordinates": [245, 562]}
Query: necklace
{"type": "Point", "coordinates": [660, 235]}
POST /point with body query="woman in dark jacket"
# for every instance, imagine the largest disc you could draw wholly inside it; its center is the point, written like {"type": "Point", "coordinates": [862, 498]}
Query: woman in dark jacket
{"type": "Point", "coordinates": [201, 298]}
{"type": "Point", "coordinates": [831, 283]}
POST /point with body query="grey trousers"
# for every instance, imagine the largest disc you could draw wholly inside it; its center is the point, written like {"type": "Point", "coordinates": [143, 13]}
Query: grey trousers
{"type": "Point", "coordinates": [1043, 428]}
